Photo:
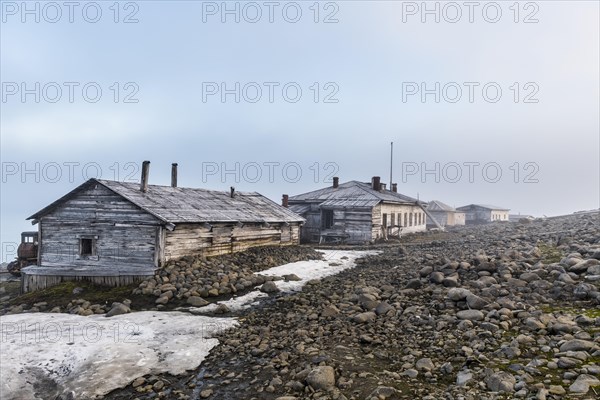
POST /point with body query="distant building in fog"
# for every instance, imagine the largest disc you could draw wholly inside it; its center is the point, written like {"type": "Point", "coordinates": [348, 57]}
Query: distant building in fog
{"type": "Point", "coordinates": [518, 217]}
{"type": "Point", "coordinates": [444, 214]}
{"type": "Point", "coordinates": [483, 213]}
{"type": "Point", "coordinates": [356, 212]}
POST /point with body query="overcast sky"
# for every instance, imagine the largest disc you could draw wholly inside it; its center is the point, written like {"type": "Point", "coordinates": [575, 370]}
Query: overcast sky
{"type": "Point", "coordinates": [490, 104]}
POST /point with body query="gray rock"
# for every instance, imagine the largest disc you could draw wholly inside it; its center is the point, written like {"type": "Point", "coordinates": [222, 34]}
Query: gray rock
{"type": "Point", "coordinates": [118, 309]}
{"type": "Point", "coordinates": [368, 316]}
{"type": "Point", "coordinates": [436, 277]}
{"type": "Point", "coordinates": [471, 315]}
{"type": "Point", "coordinates": [529, 277]}
{"type": "Point", "coordinates": [594, 270]}
{"type": "Point", "coordinates": [425, 364]}
{"type": "Point", "coordinates": [197, 301]}
{"type": "Point", "coordinates": [411, 373]}
{"type": "Point", "coordinates": [269, 287]}
{"type": "Point", "coordinates": [221, 309]}
{"type": "Point", "coordinates": [534, 324]}
{"type": "Point", "coordinates": [382, 393]}
{"type": "Point", "coordinates": [582, 384]}
{"type": "Point", "coordinates": [567, 362]}
{"type": "Point", "coordinates": [78, 290]}
{"type": "Point", "coordinates": [414, 284]}
{"type": "Point", "coordinates": [330, 311]}
{"type": "Point", "coordinates": [458, 294]}
{"type": "Point", "coordinates": [501, 382]}
{"type": "Point", "coordinates": [577, 345]}
{"type": "Point", "coordinates": [583, 291]}
{"type": "Point", "coordinates": [486, 281]}
{"type": "Point", "coordinates": [475, 302]}
{"type": "Point", "coordinates": [582, 266]}
{"type": "Point", "coordinates": [450, 281]}
{"type": "Point", "coordinates": [383, 308]}
{"type": "Point", "coordinates": [464, 377]}
{"type": "Point", "coordinates": [321, 378]}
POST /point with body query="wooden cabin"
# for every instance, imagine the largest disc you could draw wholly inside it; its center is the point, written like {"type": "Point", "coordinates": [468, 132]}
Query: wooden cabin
{"type": "Point", "coordinates": [356, 212]}
{"type": "Point", "coordinates": [443, 214]}
{"type": "Point", "coordinates": [483, 213]}
{"type": "Point", "coordinates": [116, 233]}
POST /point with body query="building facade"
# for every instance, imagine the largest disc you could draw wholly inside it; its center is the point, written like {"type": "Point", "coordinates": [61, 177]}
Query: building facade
{"type": "Point", "coordinates": [356, 212]}
{"type": "Point", "coordinates": [483, 213]}
{"type": "Point", "coordinates": [444, 215]}
{"type": "Point", "coordinates": [117, 233]}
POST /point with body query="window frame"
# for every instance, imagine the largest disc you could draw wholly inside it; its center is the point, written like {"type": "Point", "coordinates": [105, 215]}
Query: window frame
{"type": "Point", "coordinates": [327, 219]}
{"type": "Point", "coordinates": [93, 255]}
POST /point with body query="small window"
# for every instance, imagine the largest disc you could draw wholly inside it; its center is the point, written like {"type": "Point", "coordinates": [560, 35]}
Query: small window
{"type": "Point", "coordinates": [327, 219]}
{"type": "Point", "coordinates": [385, 224]}
{"type": "Point", "coordinates": [393, 219]}
{"type": "Point", "coordinates": [87, 247]}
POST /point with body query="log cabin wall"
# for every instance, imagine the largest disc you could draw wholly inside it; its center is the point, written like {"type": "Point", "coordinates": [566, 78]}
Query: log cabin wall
{"type": "Point", "coordinates": [355, 222]}
{"type": "Point", "coordinates": [124, 237]}
{"type": "Point", "coordinates": [222, 238]}
{"type": "Point", "coordinates": [113, 233]}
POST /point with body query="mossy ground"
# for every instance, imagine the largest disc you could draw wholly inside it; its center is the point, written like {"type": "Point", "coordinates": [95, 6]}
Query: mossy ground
{"type": "Point", "coordinates": [550, 254]}
{"type": "Point", "coordinates": [62, 294]}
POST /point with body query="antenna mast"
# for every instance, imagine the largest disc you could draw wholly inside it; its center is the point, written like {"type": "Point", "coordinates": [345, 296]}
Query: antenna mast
{"type": "Point", "coordinates": [391, 162]}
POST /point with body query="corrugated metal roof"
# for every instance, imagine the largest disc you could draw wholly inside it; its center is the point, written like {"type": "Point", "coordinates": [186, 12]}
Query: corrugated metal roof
{"type": "Point", "coordinates": [350, 203]}
{"type": "Point", "coordinates": [299, 208]}
{"type": "Point", "coordinates": [353, 190]}
{"type": "Point", "coordinates": [191, 205]}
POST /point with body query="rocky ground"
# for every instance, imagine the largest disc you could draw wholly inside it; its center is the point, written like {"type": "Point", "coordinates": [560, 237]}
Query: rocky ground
{"type": "Point", "coordinates": [190, 281]}
{"type": "Point", "coordinates": [489, 312]}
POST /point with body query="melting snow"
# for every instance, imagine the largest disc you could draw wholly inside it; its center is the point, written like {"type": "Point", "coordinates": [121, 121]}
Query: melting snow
{"type": "Point", "coordinates": [44, 355]}
{"type": "Point", "coordinates": [335, 262]}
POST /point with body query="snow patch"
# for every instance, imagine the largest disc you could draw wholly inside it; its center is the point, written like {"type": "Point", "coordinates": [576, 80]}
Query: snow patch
{"type": "Point", "coordinates": [45, 355]}
{"type": "Point", "coordinates": [335, 262]}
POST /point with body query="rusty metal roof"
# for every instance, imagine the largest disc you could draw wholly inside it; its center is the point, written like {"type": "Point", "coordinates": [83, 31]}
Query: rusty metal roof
{"type": "Point", "coordinates": [191, 205]}
{"type": "Point", "coordinates": [347, 192]}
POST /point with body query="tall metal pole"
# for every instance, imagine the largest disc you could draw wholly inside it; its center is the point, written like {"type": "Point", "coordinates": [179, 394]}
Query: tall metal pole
{"type": "Point", "coordinates": [391, 162]}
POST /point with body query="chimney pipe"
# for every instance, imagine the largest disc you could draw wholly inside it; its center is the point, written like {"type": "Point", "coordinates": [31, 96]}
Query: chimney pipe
{"type": "Point", "coordinates": [336, 182]}
{"type": "Point", "coordinates": [284, 200]}
{"type": "Point", "coordinates": [232, 191]}
{"type": "Point", "coordinates": [382, 186]}
{"type": "Point", "coordinates": [174, 175]}
{"type": "Point", "coordinates": [145, 172]}
{"type": "Point", "coordinates": [375, 183]}
{"type": "Point", "coordinates": [395, 187]}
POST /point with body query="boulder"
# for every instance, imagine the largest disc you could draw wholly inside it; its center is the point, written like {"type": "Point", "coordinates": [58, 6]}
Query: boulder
{"type": "Point", "coordinates": [197, 301]}
{"type": "Point", "coordinates": [471, 315]}
{"type": "Point", "coordinates": [362, 318]}
{"type": "Point", "coordinates": [269, 287]}
{"type": "Point", "coordinates": [117, 309]}
{"type": "Point", "coordinates": [321, 378]}
{"type": "Point", "coordinates": [501, 382]}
